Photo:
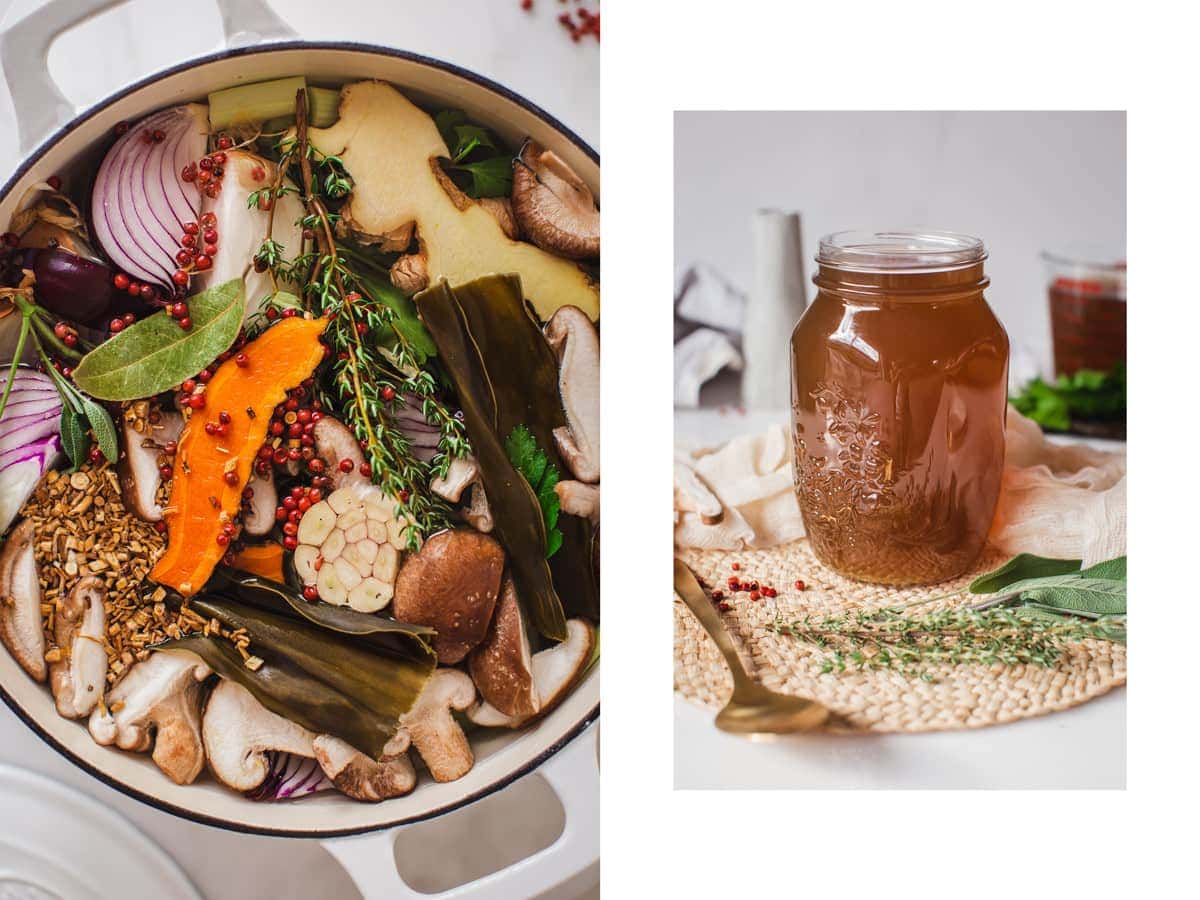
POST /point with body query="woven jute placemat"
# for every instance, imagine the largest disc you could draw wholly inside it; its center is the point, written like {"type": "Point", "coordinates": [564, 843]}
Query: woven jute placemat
{"type": "Point", "coordinates": [962, 696]}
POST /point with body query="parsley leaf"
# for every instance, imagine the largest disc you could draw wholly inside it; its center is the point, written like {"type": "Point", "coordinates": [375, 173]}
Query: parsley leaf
{"type": "Point", "coordinates": [477, 163]}
{"type": "Point", "coordinates": [535, 467]}
{"type": "Point", "coordinates": [1085, 395]}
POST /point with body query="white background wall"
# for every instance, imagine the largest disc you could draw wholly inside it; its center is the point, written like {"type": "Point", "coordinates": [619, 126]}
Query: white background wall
{"type": "Point", "coordinates": [1022, 181]}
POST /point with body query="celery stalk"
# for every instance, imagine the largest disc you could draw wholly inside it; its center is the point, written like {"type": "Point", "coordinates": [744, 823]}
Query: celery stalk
{"type": "Point", "coordinates": [256, 102]}
{"type": "Point", "coordinates": [323, 106]}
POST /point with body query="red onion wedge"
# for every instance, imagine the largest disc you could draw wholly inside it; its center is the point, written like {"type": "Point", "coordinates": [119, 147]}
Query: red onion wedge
{"type": "Point", "coordinates": [28, 438]}
{"type": "Point", "coordinates": [140, 203]}
{"type": "Point", "coordinates": [290, 776]}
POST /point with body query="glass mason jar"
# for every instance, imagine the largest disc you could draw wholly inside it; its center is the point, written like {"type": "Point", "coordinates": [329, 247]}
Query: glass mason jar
{"type": "Point", "coordinates": [1087, 311]}
{"type": "Point", "coordinates": [899, 395]}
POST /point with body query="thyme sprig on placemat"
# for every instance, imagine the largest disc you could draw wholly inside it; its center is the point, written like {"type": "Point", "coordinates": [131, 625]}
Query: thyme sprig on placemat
{"type": "Point", "coordinates": [1040, 606]}
{"type": "Point", "coordinates": [915, 644]}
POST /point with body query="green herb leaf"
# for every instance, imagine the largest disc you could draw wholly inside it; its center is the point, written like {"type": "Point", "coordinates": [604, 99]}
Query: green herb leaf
{"type": "Point", "coordinates": [155, 354]}
{"type": "Point", "coordinates": [1110, 568]}
{"type": "Point", "coordinates": [489, 177]}
{"type": "Point", "coordinates": [447, 120]}
{"type": "Point", "coordinates": [1091, 597]}
{"type": "Point", "coordinates": [533, 464]}
{"type": "Point", "coordinates": [102, 426]}
{"type": "Point", "coordinates": [1086, 395]}
{"type": "Point", "coordinates": [1023, 567]}
{"type": "Point", "coordinates": [73, 435]}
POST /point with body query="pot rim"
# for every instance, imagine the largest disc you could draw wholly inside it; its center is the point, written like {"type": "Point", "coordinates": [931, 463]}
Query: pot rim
{"type": "Point", "coordinates": [62, 132]}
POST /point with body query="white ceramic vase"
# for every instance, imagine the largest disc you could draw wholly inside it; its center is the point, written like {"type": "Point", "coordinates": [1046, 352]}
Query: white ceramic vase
{"type": "Point", "coordinates": [776, 302]}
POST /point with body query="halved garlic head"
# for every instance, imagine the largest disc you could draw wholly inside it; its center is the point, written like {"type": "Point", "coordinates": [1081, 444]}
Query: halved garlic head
{"type": "Point", "coordinates": [350, 545]}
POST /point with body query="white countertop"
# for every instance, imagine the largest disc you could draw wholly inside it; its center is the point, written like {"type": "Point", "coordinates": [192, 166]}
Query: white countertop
{"type": "Point", "coordinates": [496, 39]}
{"type": "Point", "coordinates": [1083, 747]}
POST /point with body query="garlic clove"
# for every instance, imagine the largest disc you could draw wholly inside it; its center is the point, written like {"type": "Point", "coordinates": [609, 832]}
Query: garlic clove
{"type": "Point", "coordinates": [385, 564]}
{"type": "Point", "coordinates": [330, 587]}
{"type": "Point", "coordinates": [376, 531]}
{"type": "Point", "coordinates": [370, 595]}
{"type": "Point", "coordinates": [316, 524]}
{"type": "Point", "coordinates": [305, 560]}
{"type": "Point", "coordinates": [334, 544]}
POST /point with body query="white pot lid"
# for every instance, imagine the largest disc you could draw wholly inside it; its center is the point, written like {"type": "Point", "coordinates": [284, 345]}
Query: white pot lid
{"type": "Point", "coordinates": [56, 842]}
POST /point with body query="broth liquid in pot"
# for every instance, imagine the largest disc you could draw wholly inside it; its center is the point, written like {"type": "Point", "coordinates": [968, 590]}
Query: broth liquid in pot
{"type": "Point", "coordinates": [899, 394]}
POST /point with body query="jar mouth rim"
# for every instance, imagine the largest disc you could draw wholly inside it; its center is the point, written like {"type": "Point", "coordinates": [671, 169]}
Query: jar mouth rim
{"type": "Point", "coordinates": [900, 250]}
{"type": "Point", "coordinates": [1086, 258]}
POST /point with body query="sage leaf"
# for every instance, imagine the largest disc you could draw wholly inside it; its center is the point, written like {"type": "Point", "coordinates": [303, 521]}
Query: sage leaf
{"type": "Point", "coordinates": [102, 426]}
{"type": "Point", "coordinates": [73, 436]}
{"type": "Point", "coordinates": [155, 354]}
{"type": "Point", "coordinates": [1110, 568]}
{"type": "Point", "coordinates": [1091, 597]}
{"type": "Point", "coordinates": [1022, 567]}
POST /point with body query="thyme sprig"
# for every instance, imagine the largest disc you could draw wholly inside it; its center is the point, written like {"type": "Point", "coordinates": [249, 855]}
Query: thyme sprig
{"type": "Point", "coordinates": [361, 382]}
{"type": "Point", "coordinates": [888, 638]}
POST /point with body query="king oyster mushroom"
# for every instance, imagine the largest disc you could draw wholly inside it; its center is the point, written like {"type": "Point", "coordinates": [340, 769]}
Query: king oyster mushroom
{"type": "Point", "coordinates": [259, 516]}
{"type": "Point", "coordinates": [349, 544]}
{"type": "Point", "coordinates": [157, 703]}
{"type": "Point", "coordinates": [451, 585]}
{"type": "Point", "coordinates": [21, 602]}
{"type": "Point", "coordinates": [553, 671]}
{"type": "Point", "coordinates": [138, 468]}
{"type": "Point", "coordinates": [238, 731]}
{"type": "Point", "coordinates": [553, 206]}
{"type": "Point", "coordinates": [576, 343]}
{"type": "Point", "coordinates": [577, 498]}
{"type": "Point", "coordinates": [357, 775]}
{"type": "Point", "coordinates": [77, 679]}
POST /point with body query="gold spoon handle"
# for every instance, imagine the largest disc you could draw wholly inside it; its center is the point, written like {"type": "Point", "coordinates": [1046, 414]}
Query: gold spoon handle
{"type": "Point", "coordinates": [687, 587]}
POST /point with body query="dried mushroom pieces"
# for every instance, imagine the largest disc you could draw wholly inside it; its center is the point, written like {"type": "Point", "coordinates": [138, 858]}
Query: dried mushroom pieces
{"type": "Point", "coordinates": [391, 147]}
{"type": "Point", "coordinates": [157, 705]}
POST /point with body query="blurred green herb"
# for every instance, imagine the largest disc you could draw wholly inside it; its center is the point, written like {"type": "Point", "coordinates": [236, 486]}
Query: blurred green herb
{"type": "Point", "coordinates": [533, 464]}
{"type": "Point", "coordinates": [1087, 395]}
{"type": "Point", "coordinates": [477, 163]}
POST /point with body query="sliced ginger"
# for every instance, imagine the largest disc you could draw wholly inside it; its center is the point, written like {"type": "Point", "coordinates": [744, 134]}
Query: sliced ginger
{"type": "Point", "coordinates": [387, 144]}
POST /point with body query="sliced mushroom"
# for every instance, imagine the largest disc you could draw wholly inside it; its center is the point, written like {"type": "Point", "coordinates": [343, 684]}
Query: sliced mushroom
{"type": "Point", "coordinates": [553, 206]}
{"type": "Point", "coordinates": [138, 464]}
{"type": "Point", "coordinates": [502, 666]}
{"type": "Point", "coordinates": [21, 602]}
{"type": "Point", "coordinates": [77, 680]}
{"type": "Point", "coordinates": [259, 517]}
{"type": "Point", "coordinates": [357, 775]}
{"type": "Point", "coordinates": [477, 512]}
{"type": "Point", "coordinates": [334, 442]}
{"type": "Point", "coordinates": [463, 472]}
{"type": "Point", "coordinates": [157, 703]}
{"type": "Point", "coordinates": [431, 726]}
{"type": "Point", "coordinates": [554, 671]}
{"type": "Point", "coordinates": [238, 732]}
{"type": "Point", "coordinates": [576, 498]}
{"type": "Point", "coordinates": [451, 585]}
{"type": "Point", "coordinates": [577, 345]}
{"type": "Point", "coordinates": [502, 211]}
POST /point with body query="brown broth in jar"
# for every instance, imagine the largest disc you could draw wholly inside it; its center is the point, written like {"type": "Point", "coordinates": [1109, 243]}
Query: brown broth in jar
{"type": "Point", "coordinates": [1087, 313]}
{"type": "Point", "coordinates": [899, 393]}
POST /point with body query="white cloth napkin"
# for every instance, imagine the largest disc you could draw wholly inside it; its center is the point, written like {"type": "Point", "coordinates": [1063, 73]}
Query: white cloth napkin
{"type": "Point", "coordinates": [1059, 500]}
{"type": "Point", "coordinates": [708, 321]}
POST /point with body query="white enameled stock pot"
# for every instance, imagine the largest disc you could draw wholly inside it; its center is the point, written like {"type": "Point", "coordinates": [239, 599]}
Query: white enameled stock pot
{"type": "Point", "coordinates": [563, 746]}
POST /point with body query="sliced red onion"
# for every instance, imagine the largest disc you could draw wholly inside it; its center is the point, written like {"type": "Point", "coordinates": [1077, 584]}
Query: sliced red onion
{"type": "Point", "coordinates": [140, 203]}
{"type": "Point", "coordinates": [20, 472]}
{"type": "Point", "coordinates": [27, 379]}
{"type": "Point", "coordinates": [290, 776]}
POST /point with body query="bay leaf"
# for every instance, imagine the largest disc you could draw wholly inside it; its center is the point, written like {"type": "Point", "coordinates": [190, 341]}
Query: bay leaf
{"type": "Point", "coordinates": [155, 354]}
{"type": "Point", "coordinates": [1022, 567]}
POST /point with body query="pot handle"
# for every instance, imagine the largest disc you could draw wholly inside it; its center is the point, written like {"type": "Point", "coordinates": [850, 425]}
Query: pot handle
{"type": "Point", "coordinates": [574, 775]}
{"type": "Point", "coordinates": [41, 107]}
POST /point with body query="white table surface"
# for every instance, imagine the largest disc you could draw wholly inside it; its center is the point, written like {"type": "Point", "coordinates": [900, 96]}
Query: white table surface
{"type": "Point", "coordinates": [1083, 747]}
{"type": "Point", "coordinates": [144, 35]}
